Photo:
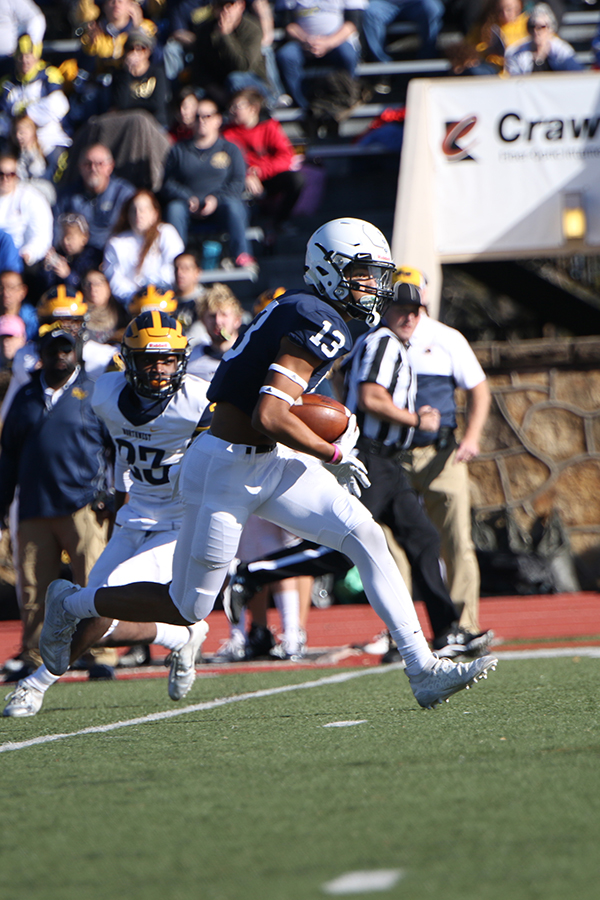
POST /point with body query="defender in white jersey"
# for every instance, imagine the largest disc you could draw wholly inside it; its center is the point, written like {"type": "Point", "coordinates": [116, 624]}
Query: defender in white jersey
{"type": "Point", "coordinates": [152, 411]}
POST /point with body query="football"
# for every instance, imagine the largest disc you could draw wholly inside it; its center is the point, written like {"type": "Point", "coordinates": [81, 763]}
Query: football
{"type": "Point", "coordinates": [323, 415]}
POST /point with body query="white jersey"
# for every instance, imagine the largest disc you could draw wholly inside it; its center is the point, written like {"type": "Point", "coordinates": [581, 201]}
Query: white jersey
{"type": "Point", "coordinates": [147, 449]}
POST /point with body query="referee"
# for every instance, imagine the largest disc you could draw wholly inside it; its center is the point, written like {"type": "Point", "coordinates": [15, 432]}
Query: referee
{"type": "Point", "coordinates": [381, 391]}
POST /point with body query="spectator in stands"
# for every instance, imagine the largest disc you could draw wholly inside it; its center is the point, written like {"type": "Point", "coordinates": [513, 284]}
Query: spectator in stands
{"type": "Point", "coordinates": [188, 292]}
{"type": "Point", "coordinates": [221, 314]}
{"type": "Point", "coordinates": [182, 128]}
{"type": "Point", "coordinates": [269, 155]}
{"type": "Point", "coordinates": [227, 50]}
{"type": "Point", "coordinates": [19, 17]}
{"type": "Point", "coordinates": [71, 257]}
{"type": "Point", "coordinates": [12, 338]}
{"type": "Point", "coordinates": [106, 318]}
{"type": "Point", "coordinates": [36, 88]}
{"type": "Point", "coordinates": [105, 33]}
{"type": "Point", "coordinates": [544, 51]}
{"type": "Point", "coordinates": [317, 32]}
{"type": "Point", "coordinates": [501, 24]}
{"type": "Point", "coordinates": [142, 248]}
{"type": "Point", "coordinates": [53, 450]}
{"type": "Point", "coordinates": [140, 83]}
{"type": "Point", "coordinates": [98, 196]}
{"type": "Point", "coordinates": [13, 292]}
{"type": "Point", "coordinates": [426, 14]}
{"type": "Point", "coordinates": [204, 180]}
{"type": "Point", "coordinates": [187, 14]}
{"type": "Point", "coordinates": [24, 213]}
{"type": "Point", "coordinates": [9, 255]}
{"type": "Point", "coordinates": [32, 166]}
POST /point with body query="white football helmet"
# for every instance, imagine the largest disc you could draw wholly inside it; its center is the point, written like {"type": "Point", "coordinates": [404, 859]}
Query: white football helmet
{"type": "Point", "coordinates": [330, 253]}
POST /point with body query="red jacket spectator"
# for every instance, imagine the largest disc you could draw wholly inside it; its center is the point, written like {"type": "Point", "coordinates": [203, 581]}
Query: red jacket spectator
{"type": "Point", "coordinates": [266, 147]}
{"type": "Point", "coordinates": [269, 157]}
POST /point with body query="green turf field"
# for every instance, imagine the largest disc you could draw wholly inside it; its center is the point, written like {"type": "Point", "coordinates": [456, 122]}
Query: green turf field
{"type": "Point", "coordinates": [494, 795]}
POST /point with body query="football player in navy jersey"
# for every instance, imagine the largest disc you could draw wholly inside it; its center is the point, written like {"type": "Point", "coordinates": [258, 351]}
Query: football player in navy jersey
{"type": "Point", "coordinates": [260, 458]}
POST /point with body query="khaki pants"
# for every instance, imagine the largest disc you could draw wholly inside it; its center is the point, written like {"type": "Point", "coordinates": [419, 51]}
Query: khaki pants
{"type": "Point", "coordinates": [444, 486]}
{"type": "Point", "coordinates": [41, 543]}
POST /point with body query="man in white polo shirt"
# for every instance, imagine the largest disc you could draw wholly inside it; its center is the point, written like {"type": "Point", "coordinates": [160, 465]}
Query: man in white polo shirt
{"type": "Point", "coordinates": [442, 360]}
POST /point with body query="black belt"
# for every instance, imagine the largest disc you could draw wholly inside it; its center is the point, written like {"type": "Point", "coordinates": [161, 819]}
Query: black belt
{"type": "Point", "coordinates": [261, 448]}
{"type": "Point", "coordinates": [445, 438]}
{"type": "Point", "coordinates": [378, 448]}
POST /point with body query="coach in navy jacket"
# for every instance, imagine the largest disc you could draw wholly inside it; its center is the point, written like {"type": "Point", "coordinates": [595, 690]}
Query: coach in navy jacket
{"type": "Point", "coordinates": [54, 449]}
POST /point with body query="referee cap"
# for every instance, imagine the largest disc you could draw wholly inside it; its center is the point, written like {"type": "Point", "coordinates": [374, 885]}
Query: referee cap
{"type": "Point", "coordinates": [407, 294]}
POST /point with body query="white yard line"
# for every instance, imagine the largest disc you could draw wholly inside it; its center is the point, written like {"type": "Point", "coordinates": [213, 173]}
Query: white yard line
{"type": "Point", "coordinates": [198, 707]}
{"type": "Point", "coordinates": [363, 882]}
{"type": "Point", "coordinates": [546, 653]}
{"type": "Point", "coordinates": [550, 653]}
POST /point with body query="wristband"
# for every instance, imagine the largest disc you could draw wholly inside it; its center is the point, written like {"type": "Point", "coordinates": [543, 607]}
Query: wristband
{"type": "Point", "coordinates": [337, 455]}
{"type": "Point", "coordinates": [418, 425]}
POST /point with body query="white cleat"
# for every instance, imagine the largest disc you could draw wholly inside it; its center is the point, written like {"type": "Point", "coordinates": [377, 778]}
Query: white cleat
{"type": "Point", "coordinates": [182, 673]}
{"type": "Point", "coordinates": [437, 684]}
{"type": "Point", "coordinates": [23, 701]}
{"type": "Point", "coordinates": [59, 626]}
{"type": "Point", "coordinates": [231, 650]}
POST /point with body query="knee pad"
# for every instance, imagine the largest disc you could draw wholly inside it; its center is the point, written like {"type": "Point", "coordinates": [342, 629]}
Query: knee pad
{"type": "Point", "coordinates": [216, 538]}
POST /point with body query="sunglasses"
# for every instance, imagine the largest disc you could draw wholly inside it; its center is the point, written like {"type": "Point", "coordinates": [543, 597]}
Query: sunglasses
{"type": "Point", "coordinates": [8, 174]}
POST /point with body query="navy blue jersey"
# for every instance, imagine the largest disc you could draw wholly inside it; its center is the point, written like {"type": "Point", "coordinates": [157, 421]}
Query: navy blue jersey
{"type": "Point", "coordinates": [306, 320]}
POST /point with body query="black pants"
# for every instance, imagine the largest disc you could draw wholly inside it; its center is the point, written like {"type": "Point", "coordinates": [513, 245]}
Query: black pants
{"type": "Point", "coordinates": [305, 558]}
{"type": "Point", "coordinates": [392, 501]}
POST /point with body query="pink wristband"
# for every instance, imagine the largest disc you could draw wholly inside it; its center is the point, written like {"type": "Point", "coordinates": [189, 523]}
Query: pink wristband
{"type": "Point", "coordinates": [337, 455]}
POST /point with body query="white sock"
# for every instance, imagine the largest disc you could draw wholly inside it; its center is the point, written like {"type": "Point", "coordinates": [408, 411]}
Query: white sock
{"type": "Point", "coordinates": [288, 604]}
{"type": "Point", "coordinates": [388, 595]}
{"type": "Point", "coordinates": [415, 651]}
{"type": "Point", "coordinates": [173, 637]}
{"type": "Point", "coordinates": [41, 679]}
{"type": "Point", "coordinates": [81, 603]}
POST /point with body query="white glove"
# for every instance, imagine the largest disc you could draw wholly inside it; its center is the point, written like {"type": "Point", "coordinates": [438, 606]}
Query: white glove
{"type": "Point", "coordinates": [347, 441]}
{"type": "Point", "coordinates": [351, 473]}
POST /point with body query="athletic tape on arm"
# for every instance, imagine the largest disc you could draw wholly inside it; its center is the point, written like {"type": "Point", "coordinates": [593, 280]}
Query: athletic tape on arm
{"type": "Point", "coordinates": [293, 376]}
{"type": "Point", "coordinates": [269, 389]}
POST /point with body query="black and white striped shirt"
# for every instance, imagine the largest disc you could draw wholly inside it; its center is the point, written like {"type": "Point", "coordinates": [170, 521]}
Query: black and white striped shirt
{"type": "Point", "coordinates": [380, 358]}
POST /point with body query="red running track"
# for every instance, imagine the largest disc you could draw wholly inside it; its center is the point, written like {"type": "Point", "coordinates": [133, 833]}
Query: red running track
{"type": "Point", "coordinates": [559, 620]}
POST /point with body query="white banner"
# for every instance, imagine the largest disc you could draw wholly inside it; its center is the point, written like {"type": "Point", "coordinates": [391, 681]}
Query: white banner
{"type": "Point", "coordinates": [508, 155]}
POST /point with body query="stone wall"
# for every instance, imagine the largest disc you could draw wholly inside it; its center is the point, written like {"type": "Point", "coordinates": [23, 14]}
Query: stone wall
{"type": "Point", "coordinates": [541, 445]}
